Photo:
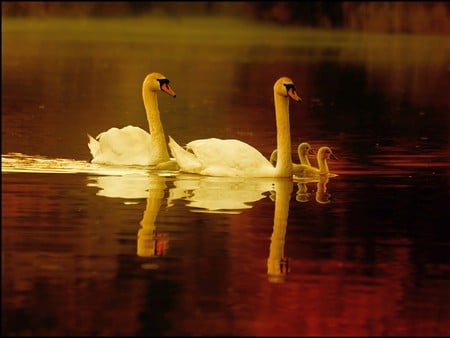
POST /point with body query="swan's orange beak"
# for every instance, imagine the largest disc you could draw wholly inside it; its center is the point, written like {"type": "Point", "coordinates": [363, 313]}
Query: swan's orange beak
{"type": "Point", "coordinates": [293, 94]}
{"type": "Point", "coordinates": [165, 88]}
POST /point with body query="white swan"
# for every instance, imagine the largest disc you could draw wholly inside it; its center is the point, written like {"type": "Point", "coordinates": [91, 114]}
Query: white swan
{"type": "Point", "coordinates": [303, 150]}
{"type": "Point", "coordinates": [217, 157]}
{"type": "Point", "coordinates": [132, 145]}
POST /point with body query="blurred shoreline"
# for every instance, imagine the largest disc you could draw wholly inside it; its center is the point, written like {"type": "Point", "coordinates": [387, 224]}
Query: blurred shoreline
{"type": "Point", "coordinates": [428, 18]}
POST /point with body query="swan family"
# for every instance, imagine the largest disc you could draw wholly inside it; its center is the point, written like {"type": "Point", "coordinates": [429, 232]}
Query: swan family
{"type": "Point", "coordinates": [132, 145]}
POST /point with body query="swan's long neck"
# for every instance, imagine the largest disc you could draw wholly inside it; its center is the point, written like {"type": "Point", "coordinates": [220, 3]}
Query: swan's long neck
{"type": "Point", "coordinates": [323, 165]}
{"type": "Point", "coordinates": [284, 159]}
{"type": "Point", "coordinates": [304, 158]}
{"type": "Point", "coordinates": [154, 122]}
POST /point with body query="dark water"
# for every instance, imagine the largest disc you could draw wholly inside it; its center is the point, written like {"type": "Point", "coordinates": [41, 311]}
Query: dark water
{"type": "Point", "coordinates": [97, 250]}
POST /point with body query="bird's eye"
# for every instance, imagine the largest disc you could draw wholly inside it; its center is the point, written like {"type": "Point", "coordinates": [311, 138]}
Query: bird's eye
{"type": "Point", "coordinates": [289, 86]}
{"type": "Point", "coordinates": [163, 81]}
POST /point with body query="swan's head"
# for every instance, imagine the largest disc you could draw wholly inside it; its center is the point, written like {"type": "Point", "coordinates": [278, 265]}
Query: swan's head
{"type": "Point", "coordinates": [156, 81]}
{"type": "Point", "coordinates": [285, 87]}
{"type": "Point", "coordinates": [305, 148]}
{"type": "Point", "coordinates": [325, 153]}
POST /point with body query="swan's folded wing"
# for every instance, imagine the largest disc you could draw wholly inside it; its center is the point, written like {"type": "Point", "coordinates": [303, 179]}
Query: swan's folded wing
{"type": "Point", "coordinates": [185, 159]}
{"type": "Point", "coordinates": [129, 146]}
{"type": "Point", "coordinates": [93, 145]}
{"type": "Point", "coordinates": [229, 153]}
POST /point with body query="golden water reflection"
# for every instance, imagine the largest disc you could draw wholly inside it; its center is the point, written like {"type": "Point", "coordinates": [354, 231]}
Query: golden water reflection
{"type": "Point", "coordinates": [326, 268]}
{"type": "Point", "coordinates": [120, 257]}
{"type": "Point", "coordinates": [223, 195]}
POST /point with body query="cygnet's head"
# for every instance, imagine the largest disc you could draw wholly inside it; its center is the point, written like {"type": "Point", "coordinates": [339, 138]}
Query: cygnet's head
{"type": "Point", "coordinates": [305, 148]}
{"type": "Point", "coordinates": [325, 153]}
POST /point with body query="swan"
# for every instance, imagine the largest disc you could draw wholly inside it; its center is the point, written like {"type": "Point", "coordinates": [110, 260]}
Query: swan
{"type": "Point", "coordinates": [305, 169]}
{"type": "Point", "coordinates": [303, 150]}
{"type": "Point", "coordinates": [231, 157]}
{"type": "Point", "coordinates": [132, 145]}
{"type": "Point", "coordinates": [323, 154]}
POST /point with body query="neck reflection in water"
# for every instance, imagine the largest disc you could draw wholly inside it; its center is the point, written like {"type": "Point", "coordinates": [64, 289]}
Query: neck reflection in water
{"type": "Point", "coordinates": [150, 242]}
{"type": "Point", "coordinates": [206, 194]}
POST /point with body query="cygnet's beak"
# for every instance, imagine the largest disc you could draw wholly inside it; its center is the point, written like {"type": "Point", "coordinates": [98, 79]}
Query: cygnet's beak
{"type": "Point", "coordinates": [293, 94]}
{"type": "Point", "coordinates": [166, 88]}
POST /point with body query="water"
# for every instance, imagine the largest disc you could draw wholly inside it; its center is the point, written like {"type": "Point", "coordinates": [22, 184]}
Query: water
{"type": "Point", "coordinates": [108, 250]}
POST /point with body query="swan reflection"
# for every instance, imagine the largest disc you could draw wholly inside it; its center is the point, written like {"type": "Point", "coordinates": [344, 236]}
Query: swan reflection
{"type": "Point", "coordinates": [212, 195]}
{"type": "Point", "coordinates": [321, 195]}
{"type": "Point", "coordinates": [152, 187]}
{"type": "Point", "coordinates": [277, 263]}
{"type": "Point", "coordinates": [150, 242]}
{"type": "Point", "coordinates": [225, 195]}
{"type": "Point", "coordinates": [302, 194]}
{"type": "Point", "coordinates": [128, 187]}
{"type": "Point", "coordinates": [218, 194]}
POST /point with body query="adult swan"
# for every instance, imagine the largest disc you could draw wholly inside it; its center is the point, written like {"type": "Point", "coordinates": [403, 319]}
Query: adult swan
{"type": "Point", "coordinates": [216, 157]}
{"type": "Point", "coordinates": [132, 145]}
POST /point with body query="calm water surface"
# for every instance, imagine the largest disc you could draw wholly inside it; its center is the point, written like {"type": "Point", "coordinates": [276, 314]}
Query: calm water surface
{"type": "Point", "coordinates": [108, 250]}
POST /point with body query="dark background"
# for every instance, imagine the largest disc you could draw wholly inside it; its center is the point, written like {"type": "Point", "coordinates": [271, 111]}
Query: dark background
{"type": "Point", "coordinates": [372, 16]}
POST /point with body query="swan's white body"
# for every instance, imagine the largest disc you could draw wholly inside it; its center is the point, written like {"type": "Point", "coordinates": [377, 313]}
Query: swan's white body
{"type": "Point", "coordinates": [132, 145]}
{"type": "Point", "coordinates": [217, 157]}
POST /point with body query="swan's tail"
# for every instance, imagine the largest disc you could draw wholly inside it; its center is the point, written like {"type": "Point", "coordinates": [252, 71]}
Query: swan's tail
{"type": "Point", "coordinates": [94, 145]}
{"type": "Point", "coordinates": [185, 159]}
